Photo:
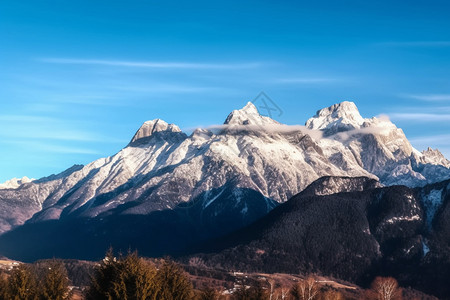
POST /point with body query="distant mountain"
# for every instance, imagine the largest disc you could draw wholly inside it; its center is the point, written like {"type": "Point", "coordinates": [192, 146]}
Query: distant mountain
{"type": "Point", "coordinates": [226, 177]}
{"type": "Point", "coordinates": [15, 182]}
{"type": "Point", "coordinates": [359, 232]}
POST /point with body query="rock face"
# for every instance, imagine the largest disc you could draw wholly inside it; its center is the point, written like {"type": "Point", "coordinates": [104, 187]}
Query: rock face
{"type": "Point", "coordinates": [163, 169]}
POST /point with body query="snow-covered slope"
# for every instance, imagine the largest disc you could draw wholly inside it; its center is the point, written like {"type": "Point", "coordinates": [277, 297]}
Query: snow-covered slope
{"type": "Point", "coordinates": [163, 167]}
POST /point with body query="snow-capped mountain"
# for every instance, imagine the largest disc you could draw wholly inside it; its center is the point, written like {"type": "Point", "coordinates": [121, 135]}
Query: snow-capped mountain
{"type": "Point", "coordinates": [15, 182]}
{"type": "Point", "coordinates": [162, 167]}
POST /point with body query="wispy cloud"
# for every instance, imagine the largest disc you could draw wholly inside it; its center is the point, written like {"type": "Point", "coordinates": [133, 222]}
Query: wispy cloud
{"type": "Point", "coordinates": [48, 134]}
{"type": "Point", "coordinates": [40, 127]}
{"type": "Point", "coordinates": [55, 99]}
{"type": "Point", "coordinates": [429, 97]}
{"type": "Point", "coordinates": [26, 118]}
{"type": "Point", "coordinates": [316, 134]}
{"type": "Point", "coordinates": [269, 128]}
{"type": "Point", "coordinates": [113, 91]}
{"type": "Point", "coordinates": [416, 44]}
{"type": "Point", "coordinates": [31, 127]}
{"type": "Point", "coordinates": [67, 150]}
{"type": "Point", "coordinates": [151, 64]}
{"type": "Point", "coordinates": [306, 80]}
{"type": "Point", "coordinates": [440, 139]}
{"type": "Point", "coordinates": [50, 147]}
{"type": "Point", "coordinates": [420, 117]}
{"type": "Point", "coordinates": [165, 89]}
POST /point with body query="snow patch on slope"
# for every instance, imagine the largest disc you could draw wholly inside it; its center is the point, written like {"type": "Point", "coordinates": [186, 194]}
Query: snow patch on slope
{"type": "Point", "coordinates": [403, 218]}
{"type": "Point", "coordinates": [425, 248]}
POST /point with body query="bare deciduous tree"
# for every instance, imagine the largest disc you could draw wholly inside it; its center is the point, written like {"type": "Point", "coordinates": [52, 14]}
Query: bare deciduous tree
{"type": "Point", "coordinates": [272, 284]}
{"type": "Point", "coordinates": [282, 293]}
{"type": "Point", "coordinates": [386, 288]}
{"type": "Point", "coordinates": [307, 289]}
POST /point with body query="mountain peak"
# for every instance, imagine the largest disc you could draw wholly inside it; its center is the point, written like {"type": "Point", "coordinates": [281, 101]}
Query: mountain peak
{"type": "Point", "coordinates": [248, 115]}
{"type": "Point", "coordinates": [201, 133]}
{"type": "Point", "coordinates": [434, 157]}
{"type": "Point", "coordinates": [336, 118]}
{"type": "Point", "coordinates": [250, 108]}
{"type": "Point", "coordinates": [149, 128]}
{"type": "Point", "coordinates": [344, 106]}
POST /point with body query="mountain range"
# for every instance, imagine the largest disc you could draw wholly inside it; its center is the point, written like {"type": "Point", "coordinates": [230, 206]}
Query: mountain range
{"type": "Point", "coordinates": [167, 192]}
{"type": "Point", "coordinates": [162, 167]}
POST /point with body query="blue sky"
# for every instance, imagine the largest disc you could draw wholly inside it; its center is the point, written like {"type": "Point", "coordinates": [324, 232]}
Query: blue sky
{"type": "Point", "coordinates": [78, 78]}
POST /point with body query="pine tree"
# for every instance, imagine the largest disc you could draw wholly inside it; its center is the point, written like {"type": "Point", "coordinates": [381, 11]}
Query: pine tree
{"type": "Point", "coordinates": [3, 286]}
{"type": "Point", "coordinates": [21, 284]}
{"type": "Point", "coordinates": [55, 282]}
{"type": "Point", "coordinates": [123, 278]}
{"type": "Point", "coordinates": [208, 294]}
{"type": "Point", "coordinates": [135, 279]}
{"type": "Point", "coordinates": [173, 283]}
{"type": "Point", "coordinates": [102, 281]}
